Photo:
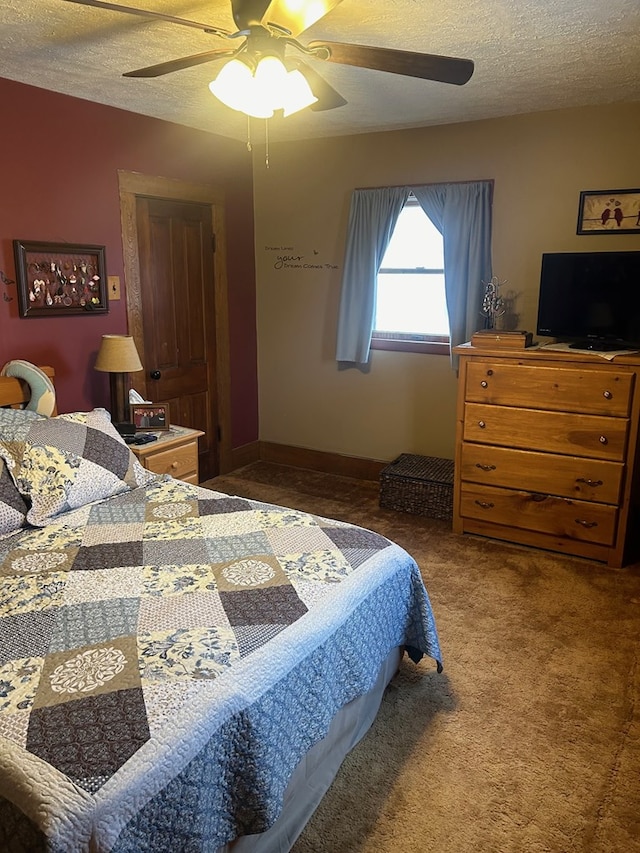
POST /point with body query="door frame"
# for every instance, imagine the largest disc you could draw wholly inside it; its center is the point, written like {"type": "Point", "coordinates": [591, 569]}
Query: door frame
{"type": "Point", "coordinates": [132, 185]}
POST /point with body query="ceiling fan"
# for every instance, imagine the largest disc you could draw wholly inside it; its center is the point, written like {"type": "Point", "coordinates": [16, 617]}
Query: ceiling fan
{"type": "Point", "coordinates": [266, 28]}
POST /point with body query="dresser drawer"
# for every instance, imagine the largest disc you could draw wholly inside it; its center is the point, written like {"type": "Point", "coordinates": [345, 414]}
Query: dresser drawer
{"type": "Point", "coordinates": [553, 432]}
{"type": "Point", "coordinates": [548, 473]}
{"type": "Point", "coordinates": [581, 520]}
{"type": "Point", "coordinates": [563, 389]}
{"type": "Point", "coordinates": [178, 461]}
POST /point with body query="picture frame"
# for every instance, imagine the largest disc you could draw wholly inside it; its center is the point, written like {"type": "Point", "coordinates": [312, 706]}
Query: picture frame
{"type": "Point", "coordinates": [60, 279]}
{"type": "Point", "coordinates": [150, 417]}
{"type": "Point", "coordinates": [609, 212]}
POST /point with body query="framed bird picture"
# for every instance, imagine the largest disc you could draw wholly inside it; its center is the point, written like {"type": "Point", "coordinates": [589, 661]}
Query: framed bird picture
{"type": "Point", "coordinates": [609, 212]}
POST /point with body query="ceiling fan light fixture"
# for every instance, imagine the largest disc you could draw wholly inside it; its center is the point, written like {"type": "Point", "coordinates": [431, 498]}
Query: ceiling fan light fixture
{"type": "Point", "coordinates": [259, 93]}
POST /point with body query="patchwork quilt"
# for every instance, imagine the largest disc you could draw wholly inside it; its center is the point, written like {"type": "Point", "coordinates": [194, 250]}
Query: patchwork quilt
{"type": "Point", "coordinates": [168, 655]}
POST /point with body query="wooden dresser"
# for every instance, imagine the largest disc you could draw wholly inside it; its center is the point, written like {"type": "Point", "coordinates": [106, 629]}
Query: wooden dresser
{"type": "Point", "coordinates": [546, 450]}
{"type": "Point", "coordinates": [175, 452]}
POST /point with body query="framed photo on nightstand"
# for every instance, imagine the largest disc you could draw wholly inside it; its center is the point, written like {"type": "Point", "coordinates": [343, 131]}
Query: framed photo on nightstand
{"type": "Point", "coordinates": [149, 416]}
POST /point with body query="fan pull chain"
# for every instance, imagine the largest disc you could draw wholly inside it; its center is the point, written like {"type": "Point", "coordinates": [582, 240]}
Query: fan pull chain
{"type": "Point", "coordinates": [266, 143]}
{"type": "Point", "coordinates": [249, 146]}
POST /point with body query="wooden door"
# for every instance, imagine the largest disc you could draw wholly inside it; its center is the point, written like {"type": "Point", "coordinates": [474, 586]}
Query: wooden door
{"type": "Point", "coordinates": [176, 258]}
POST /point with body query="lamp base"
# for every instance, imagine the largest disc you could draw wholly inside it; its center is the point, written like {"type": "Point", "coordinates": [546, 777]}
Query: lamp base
{"type": "Point", "coordinates": [119, 401]}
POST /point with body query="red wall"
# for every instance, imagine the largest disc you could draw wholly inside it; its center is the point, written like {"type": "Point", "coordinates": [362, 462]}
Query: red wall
{"type": "Point", "coordinates": [58, 172]}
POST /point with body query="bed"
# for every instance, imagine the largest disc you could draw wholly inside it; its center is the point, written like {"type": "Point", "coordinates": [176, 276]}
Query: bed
{"type": "Point", "coordinates": [180, 669]}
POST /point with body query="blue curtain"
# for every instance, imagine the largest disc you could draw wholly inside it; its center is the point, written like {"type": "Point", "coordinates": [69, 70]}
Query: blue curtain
{"type": "Point", "coordinates": [372, 218]}
{"type": "Point", "coordinates": [462, 214]}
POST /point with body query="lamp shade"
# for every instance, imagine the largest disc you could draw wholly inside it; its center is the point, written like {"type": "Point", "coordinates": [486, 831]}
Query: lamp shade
{"type": "Point", "coordinates": [118, 354]}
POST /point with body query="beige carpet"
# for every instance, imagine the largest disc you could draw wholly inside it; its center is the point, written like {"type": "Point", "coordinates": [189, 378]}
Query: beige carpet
{"type": "Point", "coordinates": [529, 741]}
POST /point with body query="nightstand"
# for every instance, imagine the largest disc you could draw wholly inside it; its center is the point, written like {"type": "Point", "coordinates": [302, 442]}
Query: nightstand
{"type": "Point", "coordinates": [175, 452]}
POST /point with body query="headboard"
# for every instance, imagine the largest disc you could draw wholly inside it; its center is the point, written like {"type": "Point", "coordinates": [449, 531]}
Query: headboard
{"type": "Point", "coordinates": [15, 392]}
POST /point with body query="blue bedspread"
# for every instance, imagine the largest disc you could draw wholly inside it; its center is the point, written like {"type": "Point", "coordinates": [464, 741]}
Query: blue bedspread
{"type": "Point", "coordinates": [209, 640]}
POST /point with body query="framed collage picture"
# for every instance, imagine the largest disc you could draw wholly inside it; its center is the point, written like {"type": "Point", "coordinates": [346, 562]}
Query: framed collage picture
{"type": "Point", "coordinates": [58, 279]}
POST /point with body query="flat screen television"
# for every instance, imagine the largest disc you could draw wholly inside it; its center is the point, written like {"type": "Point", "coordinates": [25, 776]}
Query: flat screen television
{"type": "Point", "coordinates": [591, 299]}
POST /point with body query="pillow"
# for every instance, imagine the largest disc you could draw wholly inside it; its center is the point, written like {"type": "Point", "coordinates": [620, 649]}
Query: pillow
{"type": "Point", "coordinates": [43, 395]}
{"type": "Point", "coordinates": [65, 462]}
{"type": "Point", "coordinates": [15, 423]}
{"type": "Point", "coordinates": [13, 509]}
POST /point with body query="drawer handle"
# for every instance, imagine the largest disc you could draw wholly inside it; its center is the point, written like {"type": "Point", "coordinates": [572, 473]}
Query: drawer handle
{"type": "Point", "coordinates": [174, 464]}
{"type": "Point", "coordinates": [485, 504]}
{"type": "Point", "coordinates": [485, 467]}
{"type": "Point", "coordinates": [589, 482]}
{"type": "Point", "coordinates": [489, 372]}
{"type": "Point", "coordinates": [604, 439]}
{"type": "Point", "coordinates": [482, 425]}
{"type": "Point", "coordinates": [484, 384]}
{"type": "Point", "coordinates": [607, 395]}
{"type": "Point", "coordinates": [586, 523]}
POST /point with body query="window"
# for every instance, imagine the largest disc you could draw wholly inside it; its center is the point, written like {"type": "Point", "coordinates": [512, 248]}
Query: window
{"type": "Point", "coordinates": [465, 212]}
{"type": "Point", "coordinates": [411, 310]}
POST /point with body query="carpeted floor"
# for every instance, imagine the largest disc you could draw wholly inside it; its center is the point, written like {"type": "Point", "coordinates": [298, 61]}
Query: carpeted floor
{"type": "Point", "coordinates": [529, 741]}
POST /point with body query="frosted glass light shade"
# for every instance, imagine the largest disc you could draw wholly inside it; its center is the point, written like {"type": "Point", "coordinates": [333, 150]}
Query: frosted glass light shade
{"type": "Point", "coordinates": [235, 87]}
{"type": "Point", "coordinates": [270, 77]}
{"type": "Point", "coordinates": [299, 94]}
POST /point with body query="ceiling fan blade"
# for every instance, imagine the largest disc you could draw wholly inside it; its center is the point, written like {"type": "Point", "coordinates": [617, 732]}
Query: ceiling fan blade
{"type": "Point", "coordinates": [178, 64]}
{"type": "Point", "coordinates": [297, 17]}
{"type": "Point", "coordinates": [143, 13]}
{"type": "Point", "coordinates": [328, 97]}
{"type": "Point", "coordinates": [444, 69]}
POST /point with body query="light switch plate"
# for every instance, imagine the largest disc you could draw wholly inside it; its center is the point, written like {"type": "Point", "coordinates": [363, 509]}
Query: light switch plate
{"type": "Point", "coordinates": [113, 285]}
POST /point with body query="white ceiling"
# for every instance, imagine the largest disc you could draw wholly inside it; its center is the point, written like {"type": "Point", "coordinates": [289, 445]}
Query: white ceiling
{"type": "Point", "coordinates": [530, 55]}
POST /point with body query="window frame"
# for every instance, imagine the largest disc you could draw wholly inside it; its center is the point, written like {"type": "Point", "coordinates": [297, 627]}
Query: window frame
{"type": "Point", "coordinates": [405, 342]}
{"type": "Point", "coordinates": [431, 344]}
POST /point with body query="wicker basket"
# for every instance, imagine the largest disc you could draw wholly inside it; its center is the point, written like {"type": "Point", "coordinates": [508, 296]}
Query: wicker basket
{"type": "Point", "coordinates": [418, 484]}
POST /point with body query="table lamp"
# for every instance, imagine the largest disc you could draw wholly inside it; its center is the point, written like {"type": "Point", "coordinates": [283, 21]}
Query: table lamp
{"type": "Point", "coordinates": [118, 355]}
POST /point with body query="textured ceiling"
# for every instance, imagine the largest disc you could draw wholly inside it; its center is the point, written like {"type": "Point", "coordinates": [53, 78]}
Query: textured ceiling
{"type": "Point", "coordinates": [529, 55]}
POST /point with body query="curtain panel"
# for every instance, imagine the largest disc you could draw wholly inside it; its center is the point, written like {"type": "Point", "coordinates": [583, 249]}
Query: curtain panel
{"type": "Point", "coordinates": [462, 214]}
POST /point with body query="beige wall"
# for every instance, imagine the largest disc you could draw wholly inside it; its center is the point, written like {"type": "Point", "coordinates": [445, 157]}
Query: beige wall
{"type": "Point", "coordinates": [406, 402]}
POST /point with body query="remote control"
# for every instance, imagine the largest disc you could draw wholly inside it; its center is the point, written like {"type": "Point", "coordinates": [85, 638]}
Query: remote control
{"type": "Point", "coordinates": [145, 438]}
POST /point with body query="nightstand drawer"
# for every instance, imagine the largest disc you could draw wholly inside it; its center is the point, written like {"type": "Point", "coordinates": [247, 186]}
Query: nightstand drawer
{"type": "Point", "coordinates": [560, 389]}
{"type": "Point", "coordinates": [550, 473]}
{"type": "Point", "coordinates": [177, 461]}
{"type": "Point", "coordinates": [554, 432]}
{"type": "Point", "coordinates": [581, 520]}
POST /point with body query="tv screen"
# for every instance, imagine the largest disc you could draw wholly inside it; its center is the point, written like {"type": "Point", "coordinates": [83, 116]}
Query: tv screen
{"type": "Point", "coordinates": [591, 299]}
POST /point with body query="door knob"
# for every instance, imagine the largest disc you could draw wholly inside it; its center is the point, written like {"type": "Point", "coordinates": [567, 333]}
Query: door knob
{"type": "Point", "coordinates": [155, 374]}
